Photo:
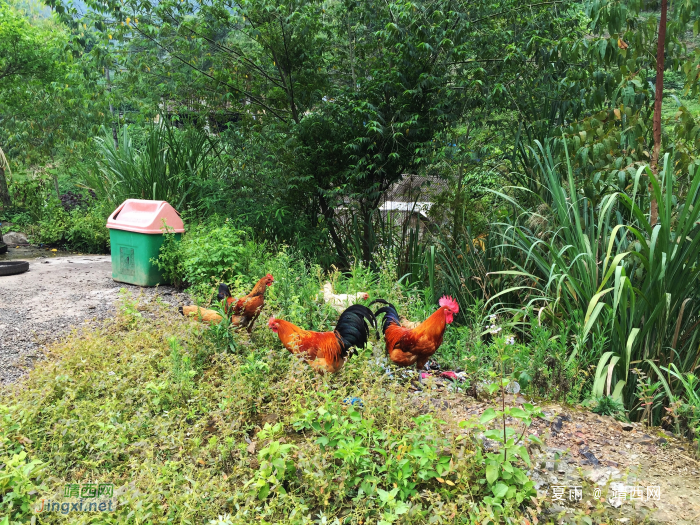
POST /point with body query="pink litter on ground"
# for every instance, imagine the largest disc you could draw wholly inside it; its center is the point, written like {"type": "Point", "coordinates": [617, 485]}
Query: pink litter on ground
{"type": "Point", "coordinates": [450, 375]}
{"type": "Point", "coordinates": [423, 375]}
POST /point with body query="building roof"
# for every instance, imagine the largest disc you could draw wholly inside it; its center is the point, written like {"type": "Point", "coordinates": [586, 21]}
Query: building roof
{"type": "Point", "coordinates": [407, 207]}
{"type": "Point", "coordinates": [412, 188]}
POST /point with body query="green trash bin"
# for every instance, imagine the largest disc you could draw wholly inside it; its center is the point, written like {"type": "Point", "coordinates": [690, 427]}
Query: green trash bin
{"type": "Point", "coordinates": [136, 235]}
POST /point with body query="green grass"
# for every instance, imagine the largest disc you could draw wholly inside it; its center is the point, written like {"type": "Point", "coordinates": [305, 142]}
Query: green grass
{"type": "Point", "coordinates": [147, 403]}
{"type": "Point", "coordinates": [192, 425]}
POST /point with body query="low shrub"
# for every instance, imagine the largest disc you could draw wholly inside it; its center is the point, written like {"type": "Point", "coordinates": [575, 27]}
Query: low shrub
{"type": "Point", "coordinates": [80, 230]}
{"type": "Point", "coordinates": [19, 475]}
{"type": "Point", "coordinates": [209, 253]}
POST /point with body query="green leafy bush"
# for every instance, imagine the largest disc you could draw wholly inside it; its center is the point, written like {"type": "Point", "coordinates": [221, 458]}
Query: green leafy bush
{"type": "Point", "coordinates": [372, 459]}
{"type": "Point", "coordinates": [505, 480]}
{"type": "Point", "coordinates": [87, 232]}
{"type": "Point", "coordinates": [275, 465]}
{"type": "Point", "coordinates": [77, 230]}
{"type": "Point", "coordinates": [208, 253]}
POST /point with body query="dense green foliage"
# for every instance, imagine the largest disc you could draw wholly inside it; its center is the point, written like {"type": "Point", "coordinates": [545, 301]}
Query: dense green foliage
{"type": "Point", "coordinates": [293, 119]}
{"type": "Point", "coordinates": [277, 128]}
{"type": "Point", "coordinates": [157, 408]}
{"type": "Point", "coordinates": [50, 100]}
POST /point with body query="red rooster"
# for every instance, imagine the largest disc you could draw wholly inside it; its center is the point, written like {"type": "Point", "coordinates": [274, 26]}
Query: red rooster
{"type": "Point", "coordinates": [408, 346]}
{"type": "Point", "coordinates": [244, 312]}
{"type": "Point", "coordinates": [327, 351]}
{"type": "Point", "coordinates": [248, 307]}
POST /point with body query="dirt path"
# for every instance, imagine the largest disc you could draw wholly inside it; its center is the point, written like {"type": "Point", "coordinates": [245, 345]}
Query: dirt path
{"type": "Point", "coordinates": [635, 473]}
{"type": "Point", "coordinates": [56, 295]}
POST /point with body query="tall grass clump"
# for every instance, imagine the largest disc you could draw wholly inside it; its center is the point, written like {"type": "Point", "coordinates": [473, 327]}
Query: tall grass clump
{"type": "Point", "coordinates": [167, 167]}
{"type": "Point", "coordinates": [631, 283]}
{"type": "Point", "coordinates": [654, 303]}
{"type": "Point", "coordinates": [555, 250]}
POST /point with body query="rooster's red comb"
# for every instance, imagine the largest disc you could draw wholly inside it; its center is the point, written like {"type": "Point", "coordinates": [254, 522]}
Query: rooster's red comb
{"type": "Point", "coordinates": [269, 276]}
{"type": "Point", "coordinates": [271, 322]}
{"type": "Point", "coordinates": [448, 301]}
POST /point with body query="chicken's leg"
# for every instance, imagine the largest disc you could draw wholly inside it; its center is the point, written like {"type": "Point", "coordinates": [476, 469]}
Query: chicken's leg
{"type": "Point", "coordinates": [420, 365]}
{"type": "Point", "coordinates": [252, 321]}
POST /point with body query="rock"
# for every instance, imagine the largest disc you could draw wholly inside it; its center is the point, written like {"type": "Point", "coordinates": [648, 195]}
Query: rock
{"type": "Point", "coordinates": [490, 445]}
{"type": "Point", "coordinates": [555, 508]}
{"type": "Point", "coordinates": [626, 426]}
{"type": "Point", "coordinates": [662, 441]}
{"type": "Point", "coordinates": [557, 423]}
{"type": "Point", "coordinates": [597, 474]}
{"type": "Point", "coordinates": [644, 440]}
{"type": "Point", "coordinates": [270, 418]}
{"type": "Point", "coordinates": [14, 238]}
{"type": "Point", "coordinates": [590, 457]}
{"type": "Point", "coordinates": [439, 403]}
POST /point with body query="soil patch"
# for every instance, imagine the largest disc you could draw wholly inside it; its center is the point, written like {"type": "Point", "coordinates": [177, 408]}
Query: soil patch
{"type": "Point", "coordinates": [635, 473]}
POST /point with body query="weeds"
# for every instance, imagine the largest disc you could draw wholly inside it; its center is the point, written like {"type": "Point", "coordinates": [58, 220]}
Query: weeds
{"type": "Point", "coordinates": [609, 406]}
{"type": "Point", "coordinates": [505, 480]}
{"type": "Point", "coordinates": [182, 372]}
{"type": "Point", "coordinates": [19, 475]}
{"type": "Point", "coordinates": [154, 408]}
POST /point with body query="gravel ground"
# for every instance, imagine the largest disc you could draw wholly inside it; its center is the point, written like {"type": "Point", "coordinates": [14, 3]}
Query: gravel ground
{"type": "Point", "coordinates": [601, 456]}
{"type": "Point", "coordinates": [56, 295]}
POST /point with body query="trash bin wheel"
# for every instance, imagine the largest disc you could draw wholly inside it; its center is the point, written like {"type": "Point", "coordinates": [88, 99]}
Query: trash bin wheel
{"type": "Point", "coordinates": [13, 267]}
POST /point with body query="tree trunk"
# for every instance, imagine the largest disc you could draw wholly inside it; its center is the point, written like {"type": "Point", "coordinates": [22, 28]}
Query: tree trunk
{"type": "Point", "coordinates": [329, 214]}
{"type": "Point", "coordinates": [351, 45]}
{"type": "Point", "coordinates": [367, 233]}
{"type": "Point", "coordinates": [4, 191]}
{"type": "Point", "coordinates": [458, 220]}
{"type": "Point", "coordinates": [111, 110]}
{"type": "Point", "coordinates": [660, 47]}
{"type": "Point", "coordinates": [55, 185]}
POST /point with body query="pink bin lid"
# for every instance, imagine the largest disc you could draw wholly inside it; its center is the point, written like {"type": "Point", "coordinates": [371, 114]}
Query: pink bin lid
{"type": "Point", "coordinates": [143, 216]}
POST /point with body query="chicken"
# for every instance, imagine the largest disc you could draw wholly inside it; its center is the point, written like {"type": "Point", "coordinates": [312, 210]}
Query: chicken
{"type": "Point", "coordinates": [205, 315]}
{"type": "Point", "coordinates": [409, 346]}
{"type": "Point", "coordinates": [244, 312]}
{"type": "Point", "coordinates": [341, 301]}
{"type": "Point", "coordinates": [250, 306]}
{"type": "Point", "coordinates": [326, 352]}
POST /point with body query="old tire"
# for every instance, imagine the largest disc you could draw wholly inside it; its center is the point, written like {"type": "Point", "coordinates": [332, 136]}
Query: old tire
{"type": "Point", "coordinates": [13, 267]}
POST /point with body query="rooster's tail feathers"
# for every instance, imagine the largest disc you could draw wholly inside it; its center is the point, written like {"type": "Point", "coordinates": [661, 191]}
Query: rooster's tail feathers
{"type": "Point", "coordinates": [352, 329]}
{"type": "Point", "coordinates": [224, 292]}
{"type": "Point", "coordinates": [391, 316]}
